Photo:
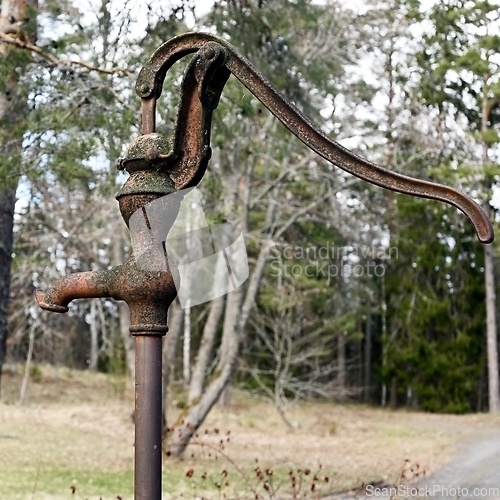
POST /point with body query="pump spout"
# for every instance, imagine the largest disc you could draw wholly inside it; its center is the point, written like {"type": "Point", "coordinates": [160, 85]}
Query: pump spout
{"type": "Point", "coordinates": [86, 285]}
{"type": "Point", "coordinates": [147, 293]}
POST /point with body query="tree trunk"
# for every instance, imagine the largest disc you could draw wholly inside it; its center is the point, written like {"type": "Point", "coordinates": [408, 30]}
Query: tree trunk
{"type": "Point", "coordinates": [7, 203]}
{"type": "Point", "coordinates": [13, 12]}
{"type": "Point", "coordinates": [175, 317]}
{"type": "Point", "coordinates": [368, 359]}
{"type": "Point", "coordinates": [204, 355]}
{"type": "Point", "coordinates": [491, 329]}
{"type": "Point", "coordinates": [394, 393]}
{"type": "Point", "coordinates": [123, 310]}
{"type": "Point", "coordinates": [385, 340]}
{"type": "Point", "coordinates": [341, 362]}
{"type": "Point", "coordinates": [225, 397]}
{"type": "Point", "coordinates": [186, 345]}
{"type": "Point", "coordinates": [27, 366]}
{"type": "Point", "coordinates": [94, 322]}
{"type": "Point", "coordinates": [489, 276]}
{"type": "Point", "coordinates": [230, 339]}
{"type": "Point", "coordinates": [205, 350]}
{"type": "Point", "coordinates": [127, 339]}
{"type": "Point", "coordinates": [94, 336]}
{"type": "Point", "coordinates": [186, 338]}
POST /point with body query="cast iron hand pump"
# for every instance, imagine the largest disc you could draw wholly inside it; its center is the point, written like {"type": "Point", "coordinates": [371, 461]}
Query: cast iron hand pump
{"type": "Point", "coordinates": [160, 167]}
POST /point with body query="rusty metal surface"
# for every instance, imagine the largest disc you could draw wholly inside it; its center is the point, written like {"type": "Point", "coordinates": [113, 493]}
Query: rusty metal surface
{"type": "Point", "coordinates": [147, 293]}
{"type": "Point", "coordinates": [201, 88]}
{"type": "Point", "coordinates": [153, 73]}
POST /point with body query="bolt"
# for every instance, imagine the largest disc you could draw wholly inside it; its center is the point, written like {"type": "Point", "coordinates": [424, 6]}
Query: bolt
{"type": "Point", "coordinates": [143, 89]}
{"type": "Point", "coordinates": [209, 53]}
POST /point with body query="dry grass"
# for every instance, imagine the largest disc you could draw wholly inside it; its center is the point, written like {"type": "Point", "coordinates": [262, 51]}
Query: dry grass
{"type": "Point", "coordinates": [76, 430]}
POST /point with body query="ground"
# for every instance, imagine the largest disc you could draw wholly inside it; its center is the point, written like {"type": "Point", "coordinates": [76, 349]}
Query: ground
{"type": "Point", "coordinates": [74, 438]}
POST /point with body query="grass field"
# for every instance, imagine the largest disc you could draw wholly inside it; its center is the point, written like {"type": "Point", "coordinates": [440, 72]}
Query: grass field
{"type": "Point", "coordinates": [74, 438]}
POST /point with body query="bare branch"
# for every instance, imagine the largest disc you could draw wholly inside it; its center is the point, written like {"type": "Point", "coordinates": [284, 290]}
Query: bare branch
{"type": "Point", "coordinates": [13, 40]}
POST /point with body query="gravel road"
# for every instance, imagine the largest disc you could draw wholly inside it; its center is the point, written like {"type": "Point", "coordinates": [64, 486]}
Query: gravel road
{"type": "Point", "coordinates": [474, 474]}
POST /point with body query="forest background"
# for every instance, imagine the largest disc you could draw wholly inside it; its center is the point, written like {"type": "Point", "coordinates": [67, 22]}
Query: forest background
{"type": "Point", "coordinates": [354, 293]}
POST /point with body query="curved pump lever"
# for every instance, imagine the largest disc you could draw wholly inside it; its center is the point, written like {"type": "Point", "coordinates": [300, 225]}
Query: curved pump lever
{"type": "Point", "coordinates": [149, 88]}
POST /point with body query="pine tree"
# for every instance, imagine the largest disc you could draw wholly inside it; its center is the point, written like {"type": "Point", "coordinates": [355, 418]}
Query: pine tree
{"type": "Point", "coordinates": [18, 21]}
{"type": "Point", "coordinates": [462, 81]}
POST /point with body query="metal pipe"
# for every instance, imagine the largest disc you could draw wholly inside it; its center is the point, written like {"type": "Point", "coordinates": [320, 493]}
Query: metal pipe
{"type": "Point", "coordinates": [147, 474]}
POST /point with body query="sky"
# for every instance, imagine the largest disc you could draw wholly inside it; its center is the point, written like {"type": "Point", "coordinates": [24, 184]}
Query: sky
{"type": "Point", "coordinates": [204, 6]}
